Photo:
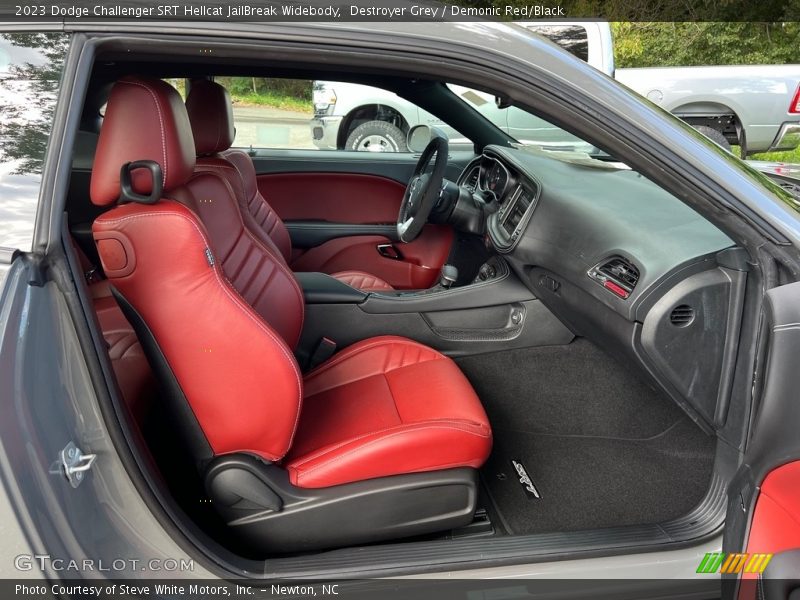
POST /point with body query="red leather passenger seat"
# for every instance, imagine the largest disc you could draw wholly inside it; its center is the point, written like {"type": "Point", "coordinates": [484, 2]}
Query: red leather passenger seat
{"type": "Point", "coordinates": [384, 406]}
{"type": "Point", "coordinates": [211, 117]}
{"type": "Point", "coordinates": [134, 377]}
{"type": "Point", "coordinates": [224, 315]}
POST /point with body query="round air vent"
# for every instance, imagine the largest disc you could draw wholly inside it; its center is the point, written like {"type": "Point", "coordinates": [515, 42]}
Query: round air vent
{"type": "Point", "coordinates": [682, 316]}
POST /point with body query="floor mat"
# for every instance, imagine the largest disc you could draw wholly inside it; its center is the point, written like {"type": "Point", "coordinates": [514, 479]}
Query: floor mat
{"type": "Point", "coordinates": [601, 449]}
{"type": "Point", "coordinates": [588, 483]}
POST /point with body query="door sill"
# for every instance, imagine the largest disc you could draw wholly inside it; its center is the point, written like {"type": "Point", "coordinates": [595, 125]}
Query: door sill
{"type": "Point", "coordinates": [385, 560]}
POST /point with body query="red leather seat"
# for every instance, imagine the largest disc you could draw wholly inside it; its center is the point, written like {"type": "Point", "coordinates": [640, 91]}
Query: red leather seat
{"type": "Point", "coordinates": [134, 377]}
{"type": "Point", "coordinates": [225, 315]}
{"type": "Point", "coordinates": [211, 118]}
{"type": "Point", "coordinates": [385, 406]}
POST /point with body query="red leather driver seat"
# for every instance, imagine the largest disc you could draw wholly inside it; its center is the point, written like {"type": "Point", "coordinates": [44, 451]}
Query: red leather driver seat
{"type": "Point", "coordinates": [383, 438]}
{"type": "Point", "coordinates": [211, 118]}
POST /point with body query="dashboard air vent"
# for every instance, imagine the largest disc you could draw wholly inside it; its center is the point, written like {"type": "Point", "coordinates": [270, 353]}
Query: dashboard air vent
{"type": "Point", "coordinates": [682, 316]}
{"type": "Point", "coordinates": [617, 274]}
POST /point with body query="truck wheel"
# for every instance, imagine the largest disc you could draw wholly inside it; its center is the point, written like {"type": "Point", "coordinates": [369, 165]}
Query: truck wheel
{"type": "Point", "coordinates": [376, 136]}
{"type": "Point", "coordinates": [715, 136]}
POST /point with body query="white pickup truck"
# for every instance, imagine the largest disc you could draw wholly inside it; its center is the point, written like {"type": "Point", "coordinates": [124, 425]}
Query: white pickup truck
{"type": "Point", "coordinates": [754, 107]}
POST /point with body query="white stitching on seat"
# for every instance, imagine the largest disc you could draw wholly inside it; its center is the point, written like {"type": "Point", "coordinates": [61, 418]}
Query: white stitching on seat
{"type": "Point", "coordinates": [373, 442]}
{"type": "Point", "coordinates": [281, 265]}
{"type": "Point", "coordinates": [408, 426]}
{"type": "Point", "coordinates": [348, 352]}
{"type": "Point", "coordinates": [160, 122]}
{"type": "Point", "coordinates": [237, 300]}
{"type": "Point", "coordinates": [362, 280]}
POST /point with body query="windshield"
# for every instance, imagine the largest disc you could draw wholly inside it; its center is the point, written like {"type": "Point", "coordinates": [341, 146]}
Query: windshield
{"type": "Point", "coordinates": [528, 130]}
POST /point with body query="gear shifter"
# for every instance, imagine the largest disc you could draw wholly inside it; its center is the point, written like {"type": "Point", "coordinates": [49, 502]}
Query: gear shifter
{"type": "Point", "coordinates": [448, 276]}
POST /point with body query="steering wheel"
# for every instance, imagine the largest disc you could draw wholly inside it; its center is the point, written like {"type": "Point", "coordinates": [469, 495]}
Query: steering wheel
{"type": "Point", "coordinates": [423, 190]}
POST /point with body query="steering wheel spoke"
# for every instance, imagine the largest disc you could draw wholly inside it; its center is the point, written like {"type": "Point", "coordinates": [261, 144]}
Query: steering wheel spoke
{"type": "Point", "coordinates": [422, 190]}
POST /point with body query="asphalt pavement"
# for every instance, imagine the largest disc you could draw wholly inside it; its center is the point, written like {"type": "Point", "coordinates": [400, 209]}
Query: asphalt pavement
{"type": "Point", "coordinates": [268, 127]}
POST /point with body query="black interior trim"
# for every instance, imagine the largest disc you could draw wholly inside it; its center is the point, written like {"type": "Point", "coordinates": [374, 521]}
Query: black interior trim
{"type": "Point", "coordinates": [774, 440]}
{"type": "Point", "coordinates": [702, 523]}
{"type": "Point", "coordinates": [781, 579]}
{"type": "Point", "coordinates": [309, 234]}
{"type": "Point", "coordinates": [320, 288]}
{"type": "Point", "coordinates": [264, 509]}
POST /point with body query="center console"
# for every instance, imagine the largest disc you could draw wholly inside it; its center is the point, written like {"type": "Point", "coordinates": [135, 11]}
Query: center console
{"type": "Point", "coordinates": [496, 311]}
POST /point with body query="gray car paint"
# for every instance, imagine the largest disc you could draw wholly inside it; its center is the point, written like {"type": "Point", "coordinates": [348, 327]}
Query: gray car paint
{"type": "Point", "coordinates": [106, 515]}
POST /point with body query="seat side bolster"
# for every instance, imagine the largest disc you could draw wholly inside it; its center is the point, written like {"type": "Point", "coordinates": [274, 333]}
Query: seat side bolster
{"type": "Point", "coordinates": [246, 398]}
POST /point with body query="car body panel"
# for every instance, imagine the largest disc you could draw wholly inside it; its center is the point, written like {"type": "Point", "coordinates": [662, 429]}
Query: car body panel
{"type": "Point", "coordinates": [102, 517]}
{"type": "Point", "coordinates": [599, 41]}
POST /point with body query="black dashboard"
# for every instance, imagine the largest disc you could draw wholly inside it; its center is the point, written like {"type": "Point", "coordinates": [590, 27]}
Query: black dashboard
{"type": "Point", "coordinates": [515, 194]}
{"type": "Point", "coordinates": [618, 260]}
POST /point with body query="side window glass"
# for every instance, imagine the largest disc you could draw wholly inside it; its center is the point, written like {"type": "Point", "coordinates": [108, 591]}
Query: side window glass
{"type": "Point", "coordinates": [30, 71]}
{"type": "Point", "coordinates": [270, 113]}
{"type": "Point", "coordinates": [320, 115]}
{"type": "Point", "coordinates": [362, 118]}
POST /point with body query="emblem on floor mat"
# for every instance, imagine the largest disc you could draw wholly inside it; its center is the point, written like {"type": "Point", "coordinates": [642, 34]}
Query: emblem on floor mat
{"type": "Point", "coordinates": [525, 480]}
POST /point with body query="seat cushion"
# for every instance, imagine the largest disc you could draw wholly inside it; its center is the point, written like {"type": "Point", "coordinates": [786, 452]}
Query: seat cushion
{"type": "Point", "coordinates": [386, 406]}
{"type": "Point", "coordinates": [362, 281]}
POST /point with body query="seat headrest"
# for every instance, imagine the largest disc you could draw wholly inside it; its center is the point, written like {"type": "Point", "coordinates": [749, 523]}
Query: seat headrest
{"type": "Point", "coordinates": [145, 120]}
{"type": "Point", "coordinates": [211, 116]}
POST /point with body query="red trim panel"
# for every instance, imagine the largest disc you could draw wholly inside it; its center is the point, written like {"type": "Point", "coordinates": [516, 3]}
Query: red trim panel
{"type": "Point", "coordinates": [776, 519]}
{"type": "Point", "coordinates": [337, 197]}
{"type": "Point", "coordinates": [422, 259]}
{"type": "Point", "coordinates": [362, 281]}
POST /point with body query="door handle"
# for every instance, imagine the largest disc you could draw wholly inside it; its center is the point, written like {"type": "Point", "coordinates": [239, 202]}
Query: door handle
{"type": "Point", "coordinates": [390, 251]}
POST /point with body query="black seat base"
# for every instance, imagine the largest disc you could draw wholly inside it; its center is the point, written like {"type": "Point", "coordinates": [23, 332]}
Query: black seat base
{"type": "Point", "coordinates": [269, 514]}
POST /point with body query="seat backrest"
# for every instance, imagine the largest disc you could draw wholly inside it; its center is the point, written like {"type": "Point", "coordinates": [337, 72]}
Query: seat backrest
{"type": "Point", "coordinates": [211, 116]}
{"type": "Point", "coordinates": [228, 366]}
{"type": "Point", "coordinates": [249, 260]}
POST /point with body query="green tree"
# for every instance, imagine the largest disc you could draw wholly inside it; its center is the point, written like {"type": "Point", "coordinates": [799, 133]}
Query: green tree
{"type": "Point", "coordinates": [649, 44]}
{"type": "Point", "coordinates": [28, 104]}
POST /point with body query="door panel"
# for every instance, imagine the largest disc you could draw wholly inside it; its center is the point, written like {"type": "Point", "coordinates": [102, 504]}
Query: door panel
{"type": "Point", "coordinates": [418, 268]}
{"type": "Point", "coordinates": [764, 497]}
{"type": "Point", "coordinates": [336, 197]}
{"type": "Point", "coordinates": [317, 188]}
{"type": "Point", "coordinates": [397, 166]}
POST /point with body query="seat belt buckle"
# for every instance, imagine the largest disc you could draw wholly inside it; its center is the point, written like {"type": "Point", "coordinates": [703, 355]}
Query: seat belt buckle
{"type": "Point", "coordinates": [324, 350]}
